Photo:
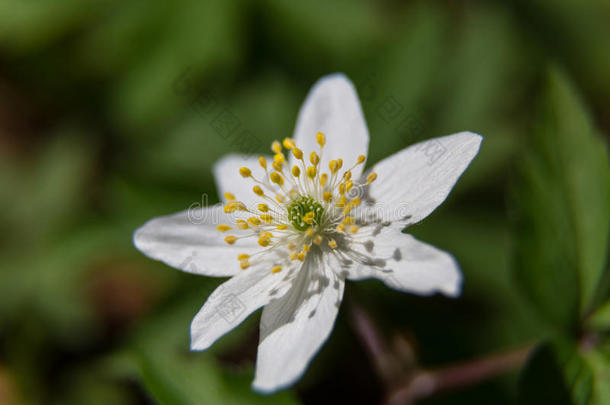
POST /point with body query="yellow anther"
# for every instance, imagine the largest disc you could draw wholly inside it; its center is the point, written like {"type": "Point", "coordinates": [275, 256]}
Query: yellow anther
{"type": "Point", "coordinates": [279, 157]}
{"type": "Point", "coordinates": [314, 158]}
{"type": "Point", "coordinates": [356, 202]}
{"type": "Point", "coordinates": [282, 227]}
{"type": "Point", "coordinates": [276, 147]}
{"type": "Point", "coordinates": [254, 221]}
{"type": "Point", "coordinates": [317, 240]}
{"type": "Point", "coordinates": [277, 166]}
{"type": "Point", "coordinates": [301, 256]}
{"type": "Point", "coordinates": [347, 175]}
{"type": "Point", "coordinates": [340, 228]}
{"type": "Point", "coordinates": [309, 232]}
{"type": "Point", "coordinates": [267, 235]}
{"type": "Point", "coordinates": [332, 244]}
{"type": "Point", "coordinates": [293, 255]}
{"type": "Point", "coordinates": [306, 248]}
{"type": "Point", "coordinates": [276, 269]}
{"type": "Point", "coordinates": [229, 196]}
{"type": "Point", "coordinates": [320, 138]}
{"type": "Point", "coordinates": [264, 241]}
{"type": "Point", "coordinates": [263, 162]}
{"type": "Point", "coordinates": [349, 185]}
{"type": "Point", "coordinates": [339, 163]}
{"type": "Point", "coordinates": [371, 178]}
{"type": "Point", "coordinates": [309, 217]}
{"type": "Point", "coordinates": [288, 143]}
{"type": "Point", "coordinates": [348, 207]}
{"type": "Point", "coordinates": [245, 172]}
{"type": "Point", "coordinates": [298, 153]}
{"type": "Point", "coordinates": [230, 239]}
{"type": "Point", "coordinates": [333, 166]}
{"type": "Point", "coordinates": [348, 221]}
{"type": "Point", "coordinates": [267, 218]}
{"type": "Point", "coordinates": [328, 196]}
{"type": "Point", "coordinates": [241, 224]}
{"type": "Point", "coordinates": [342, 201]}
{"type": "Point", "coordinates": [258, 190]}
{"type": "Point", "coordinates": [234, 206]}
{"type": "Point", "coordinates": [276, 178]}
{"type": "Point", "coordinates": [323, 179]}
{"type": "Point", "coordinates": [243, 256]}
{"type": "Point", "coordinates": [279, 198]}
{"type": "Point", "coordinates": [244, 264]}
{"type": "Point", "coordinates": [311, 172]}
{"type": "Point", "coordinates": [296, 172]}
{"type": "Point", "coordinates": [353, 229]}
{"type": "Point", "coordinates": [223, 228]}
{"type": "Point", "coordinates": [291, 246]}
{"type": "Point", "coordinates": [341, 188]}
{"type": "Point", "coordinates": [263, 207]}
{"type": "Point", "coordinates": [361, 159]}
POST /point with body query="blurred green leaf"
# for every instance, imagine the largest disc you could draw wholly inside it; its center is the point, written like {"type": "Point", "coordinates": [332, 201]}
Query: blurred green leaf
{"type": "Point", "coordinates": [600, 319]}
{"type": "Point", "coordinates": [563, 203]}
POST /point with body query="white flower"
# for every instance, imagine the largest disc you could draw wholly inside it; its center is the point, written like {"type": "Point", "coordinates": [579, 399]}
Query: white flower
{"type": "Point", "coordinates": [296, 225]}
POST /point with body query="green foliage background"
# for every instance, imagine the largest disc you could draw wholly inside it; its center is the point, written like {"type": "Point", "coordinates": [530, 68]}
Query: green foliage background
{"type": "Point", "coordinates": [109, 116]}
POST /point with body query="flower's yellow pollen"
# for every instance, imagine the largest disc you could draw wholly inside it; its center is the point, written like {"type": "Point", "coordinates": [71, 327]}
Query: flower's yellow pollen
{"type": "Point", "coordinates": [371, 178]}
{"type": "Point", "coordinates": [349, 185]}
{"type": "Point", "coordinates": [241, 224]}
{"type": "Point", "coordinates": [234, 206]}
{"type": "Point", "coordinates": [276, 178]}
{"type": "Point", "coordinates": [276, 269]}
{"type": "Point", "coordinates": [254, 221]}
{"type": "Point", "coordinates": [332, 244]}
{"type": "Point", "coordinates": [314, 158]}
{"type": "Point", "coordinates": [361, 159]}
{"type": "Point", "coordinates": [243, 256]}
{"type": "Point", "coordinates": [276, 147]}
{"type": "Point", "coordinates": [306, 248]}
{"type": "Point", "coordinates": [291, 246]}
{"type": "Point", "coordinates": [342, 201]}
{"type": "Point", "coordinates": [244, 264]}
{"type": "Point", "coordinates": [333, 166]}
{"type": "Point", "coordinates": [282, 227]}
{"type": "Point", "coordinates": [341, 188]}
{"type": "Point", "coordinates": [317, 240]}
{"type": "Point", "coordinates": [296, 172]}
{"type": "Point", "coordinates": [309, 232]}
{"type": "Point", "coordinates": [347, 175]}
{"type": "Point", "coordinates": [309, 217]}
{"type": "Point", "coordinates": [245, 172]}
{"type": "Point", "coordinates": [279, 199]}
{"type": "Point", "coordinates": [264, 241]}
{"type": "Point", "coordinates": [288, 143]}
{"type": "Point", "coordinates": [311, 172]}
{"type": "Point", "coordinates": [277, 166]}
{"type": "Point", "coordinates": [348, 221]}
{"type": "Point", "coordinates": [263, 207]}
{"type": "Point", "coordinates": [267, 235]}
{"type": "Point", "coordinates": [320, 138]}
{"type": "Point", "coordinates": [223, 228]}
{"type": "Point", "coordinates": [230, 239]}
{"type": "Point", "coordinates": [301, 256]}
{"type": "Point", "coordinates": [339, 163]}
{"type": "Point", "coordinates": [293, 255]}
{"type": "Point", "coordinates": [353, 229]}
{"type": "Point", "coordinates": [267, 218]}
{"type": "Point", "coordinates": [340, 228]}
{"type": "Point", "coordinates": [327, 196]}
{"type": "Point", "coordinates": [323, 179]}
{"type": "Point", "coordinates": [279, 157]}
{"type": "Point", "coordinates": [298, 153]}
{"type": "Point", "coordinates": [262, 161]}
{"type": "Point", "coordinates": [229, 196]}
{"type": "Point", "coordinates": [258, 190]}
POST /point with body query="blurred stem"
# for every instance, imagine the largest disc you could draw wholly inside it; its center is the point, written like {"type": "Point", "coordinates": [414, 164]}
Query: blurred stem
{"type": "Point", "coordinates": [407, 383]}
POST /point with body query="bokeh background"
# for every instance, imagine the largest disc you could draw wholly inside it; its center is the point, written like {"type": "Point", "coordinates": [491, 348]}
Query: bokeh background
{"type": "Point", "coordinates": [113, 112]}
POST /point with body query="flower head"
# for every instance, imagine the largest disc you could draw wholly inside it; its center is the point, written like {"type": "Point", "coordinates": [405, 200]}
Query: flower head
{"type": "Point", "coordinates": [295, 225]}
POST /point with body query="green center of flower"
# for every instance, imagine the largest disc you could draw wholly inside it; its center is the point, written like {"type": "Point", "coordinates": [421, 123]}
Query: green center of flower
{"type": "Point", "coordinates": [304, 212]}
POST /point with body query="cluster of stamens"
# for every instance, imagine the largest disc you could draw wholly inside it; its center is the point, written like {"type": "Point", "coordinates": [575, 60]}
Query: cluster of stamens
{"type": "Point", "coordinates": [302, 207]}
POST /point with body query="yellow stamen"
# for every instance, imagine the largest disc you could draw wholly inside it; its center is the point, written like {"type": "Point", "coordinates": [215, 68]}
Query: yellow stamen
{"type": "Point", "coordinates": [320, 138]}
{"type": "Point", "coordinates": [361, 159]}
{"type": "Point", "coordinates": [306, 248]}
{"type": "Point", "coordinates": [328, 196]}
{"type": "Point", "coordinates": [282, 227]}
{"type": "Point", "coordinates": [311, 172]}
{"type": "Point", "coordinates": [348, 221]}
{"type": "Point", "coordinates": [347, 175]}
{"type": "Point", "coordinates": [230, 239]}
{"type": "Point", "coordinates": [244, 264]}
{"type": "Point", "coordinates": [296, 172]}
{"type": "Point", "coordinates": [293, 255]}
{"type": "Point", "coordinates": [276, 178]}
{"type": "Point", "coordinates": [276, 147]}
{"type": "Point", "coordinates": [288, 143]}
{"type": "Point", "coordinates": [276, 269]}
{"type": "Point", "coordinates": [264, 241]}
{"type": "Point", "coordinates": [349, 185]}
{"type": "Point", "coordinates": [314, 158]}
{"type": "Point", "coordinates": [241, 224]}
{"type": "Point", "coordinates": [332, 244]}
{"type": "Point", "coordinates": [229, 196]}
{"type": "Point", "coordinates": [333, 166]}
{"type": "Point", "coordinates": [298, 153]}
{"type": "Point", "coordinates": [291, 246]}
{"type": "Point", "coordinates": [279, 157]}
{"type": "Point", "coordinates": [301, 256]}
{"type": "Point", "coordinates": [371, 178]}
{"type": "Point", "coordinates": [277, 166]}
{"type": "Point", "coordinates": [258, 190]}
{"type": "Point", "coordinates": [339, 163]}
{"type": "Point", "coordinates": [309, 232]}
{"type": "Point", "coordinates": [340, 228]}
{"type": "Point", "coordinates": [353, 229]}
{"type": "Point", "coordinates": [263, 207]}
{"type": "Point", "coordinates": [267, 218]}
{"type": "Point", "coordinates": [317, 240]}
{"type": "Point", "coordinates": [254, 221]}
{"type": "Point", "coordinates": [279, 198]}
{"type": "Point", "coordinates": [243, 256]}
{"type": "Point", "coordinates": [223, 228]}
{"type": "Point", "coordinates": [234, 206]}
{"type": "Point", "coordinates": [245, 172]}
{"type": "Point", "coordinates": [309, 217]}
{"type": "Point", "coordinates": [263, 162]}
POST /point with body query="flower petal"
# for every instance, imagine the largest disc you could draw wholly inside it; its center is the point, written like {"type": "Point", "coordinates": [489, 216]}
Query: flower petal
{"type": "Point", "coordinates": [189, 241]}
{"type": "Point", "coordinates": [233, 301]}
{"type": "Point", "coordinates": [405, 264]}
{"type": "Point", "coordinates": [413, 182]}
{"type": "Point", "coordinates": [228, 179]}
{"type": "Point", "coordinates": [332, 107]}
{"type": "Point", "coordinates": [294, 327]}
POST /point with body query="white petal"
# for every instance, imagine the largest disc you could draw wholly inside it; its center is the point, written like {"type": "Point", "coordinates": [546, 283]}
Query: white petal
{"type": "Point", "coordinates": [294, 327]}
{"type": "Point", "coordinates": [228, 179]}
{"type": "Point", "coordinates": [413, 182]}
{"type": "Point", "coordinates": [332, 107]}
{"type": "Point", "coordinates": [406, 264]}
{"type": "Point", "coordinates": [233, 301]}
{"type": "Point", "coordinates": [189, 241]}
